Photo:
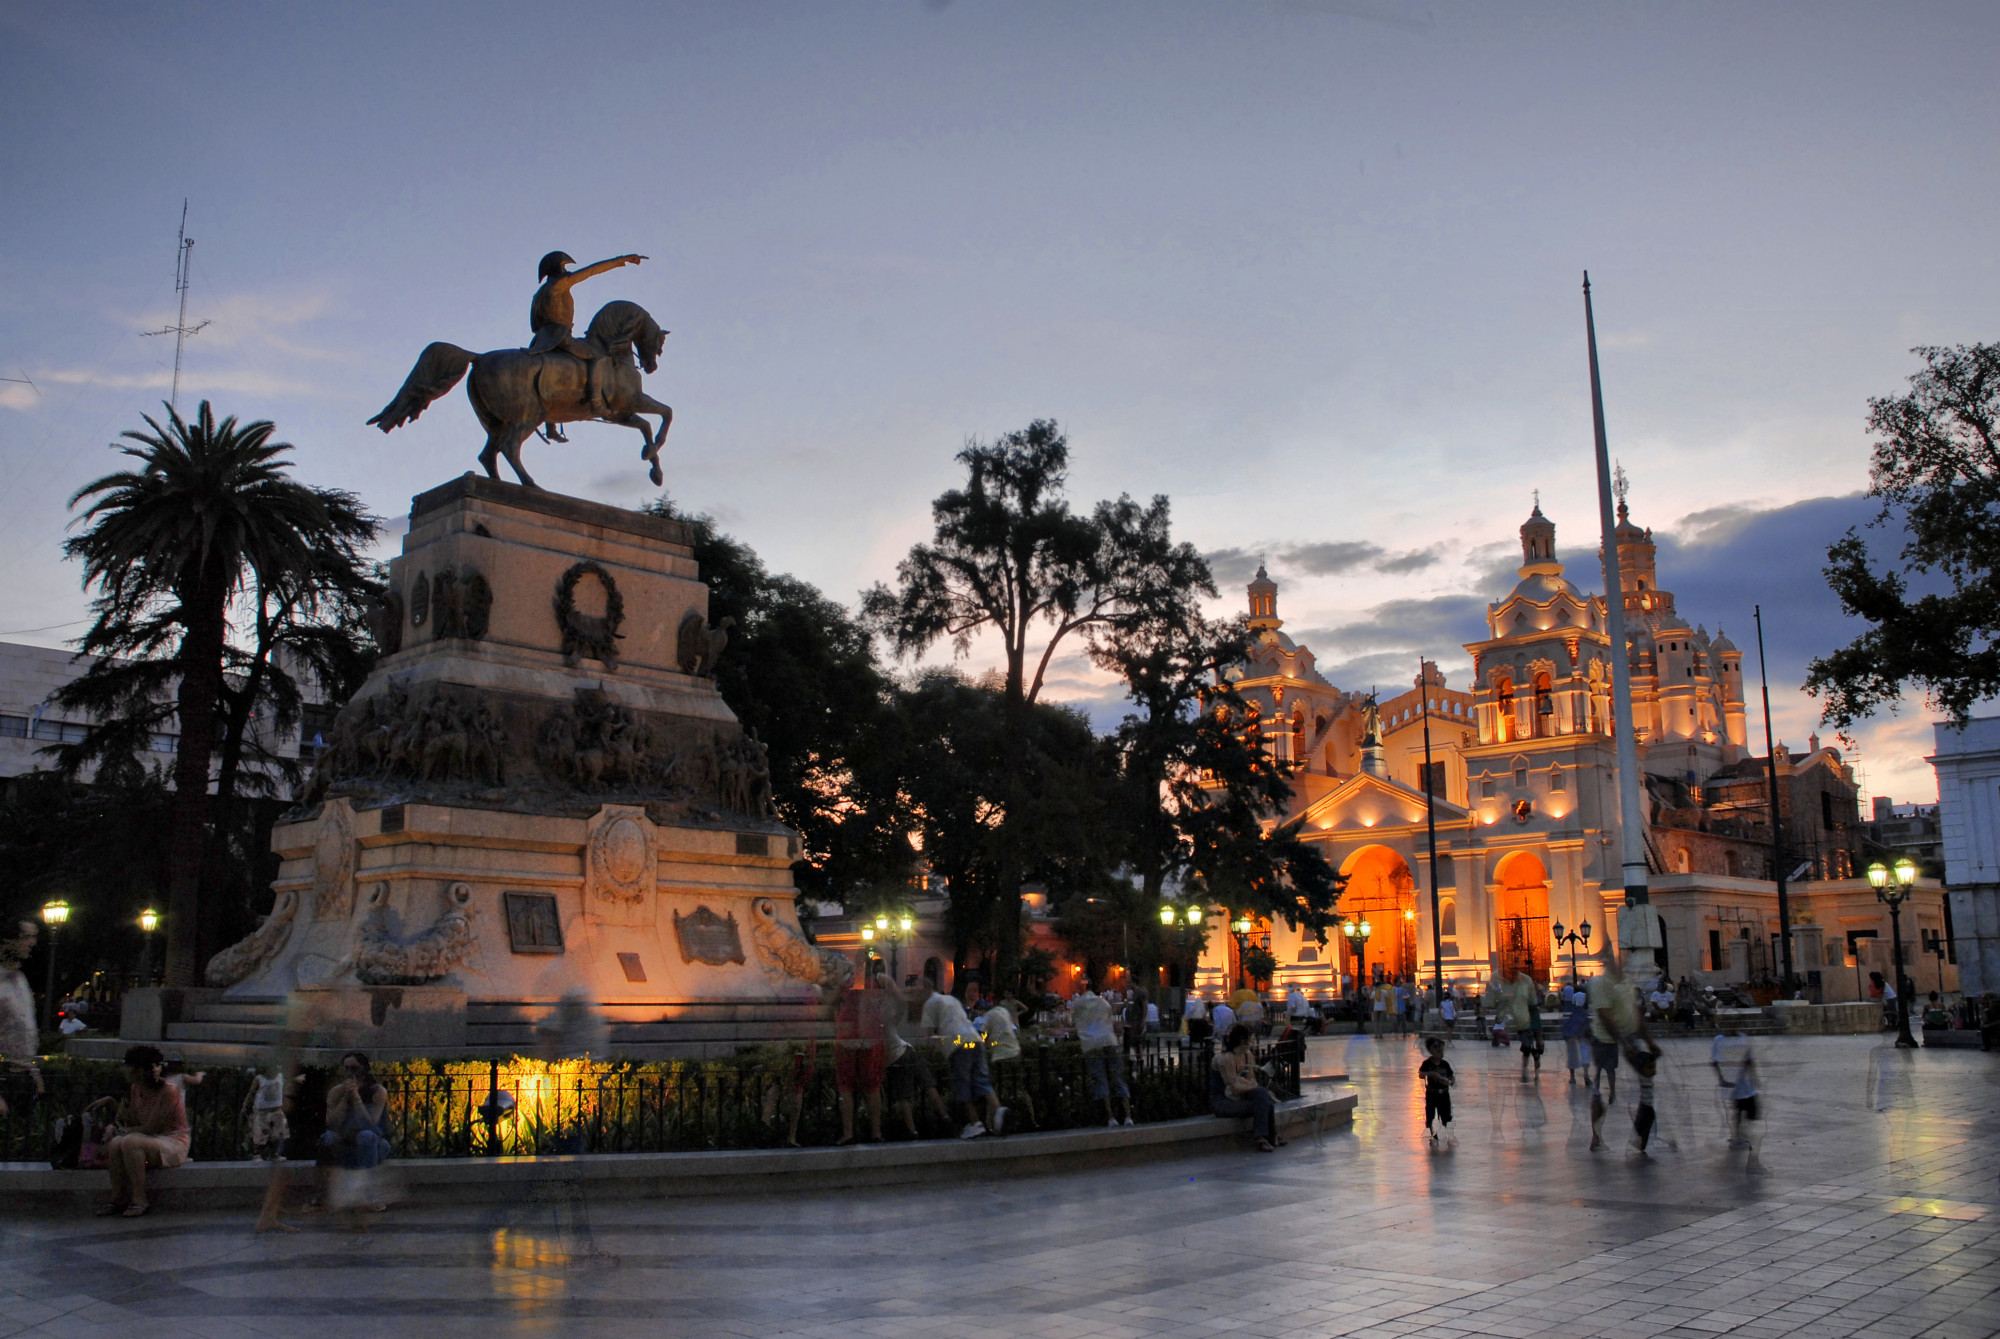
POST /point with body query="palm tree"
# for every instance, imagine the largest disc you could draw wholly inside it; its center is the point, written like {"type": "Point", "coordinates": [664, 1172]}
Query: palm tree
{"type": "Point", "coordinates": [169, 548]}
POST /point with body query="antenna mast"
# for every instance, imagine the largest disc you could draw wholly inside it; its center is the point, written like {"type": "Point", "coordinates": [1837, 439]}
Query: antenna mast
{"type": "Point", "coordinates": [180, 330]}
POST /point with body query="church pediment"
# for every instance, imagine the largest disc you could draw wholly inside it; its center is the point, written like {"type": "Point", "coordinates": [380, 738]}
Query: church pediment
{"type": "Point", "coordinates": [1361, 802]}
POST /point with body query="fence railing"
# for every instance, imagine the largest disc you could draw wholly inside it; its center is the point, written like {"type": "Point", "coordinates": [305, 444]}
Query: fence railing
{"type": "Point", "coordinates": [455, 1109]}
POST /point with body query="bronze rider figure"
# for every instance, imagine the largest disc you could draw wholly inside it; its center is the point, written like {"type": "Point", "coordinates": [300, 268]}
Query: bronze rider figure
{"type": "Point", "coordinates": [553, 316]}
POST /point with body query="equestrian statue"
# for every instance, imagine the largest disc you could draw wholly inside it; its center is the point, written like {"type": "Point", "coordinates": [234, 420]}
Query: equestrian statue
{"type": "Point", "coordinates": [557, 379]}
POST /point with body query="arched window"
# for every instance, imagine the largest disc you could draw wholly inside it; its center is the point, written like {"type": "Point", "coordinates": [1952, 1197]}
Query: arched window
{"type": "Point", "coordinates": [1545, 706]}
{"type": "Point", "coordinates": [1448, 918]}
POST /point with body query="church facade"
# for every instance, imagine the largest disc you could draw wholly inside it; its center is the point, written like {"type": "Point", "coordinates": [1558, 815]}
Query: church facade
{"type": "Point", "coordinates": [1518, 771]}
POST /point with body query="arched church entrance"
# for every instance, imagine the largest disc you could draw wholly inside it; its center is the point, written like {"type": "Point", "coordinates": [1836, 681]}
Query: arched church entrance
{"type": "Point", "coordinates": [1382, 891]}
{"type": "Point", "coordinates": [1521, 915]}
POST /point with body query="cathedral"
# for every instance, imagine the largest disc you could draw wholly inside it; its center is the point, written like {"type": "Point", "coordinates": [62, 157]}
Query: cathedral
{"type": "Point", "coordinates": [1518, 770]}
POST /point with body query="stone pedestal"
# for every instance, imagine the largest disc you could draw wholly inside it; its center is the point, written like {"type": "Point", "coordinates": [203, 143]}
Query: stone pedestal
{"type": "Point", "coordinates": [538, 794]}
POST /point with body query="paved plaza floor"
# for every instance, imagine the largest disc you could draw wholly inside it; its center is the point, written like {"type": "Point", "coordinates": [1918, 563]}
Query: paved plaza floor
{"type": "Point", "coordinates": [1869, 1208]}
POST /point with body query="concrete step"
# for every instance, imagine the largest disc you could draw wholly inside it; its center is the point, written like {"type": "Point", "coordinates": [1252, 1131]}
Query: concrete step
{"type": "Point", "coordinates": [250, 1033]}
{"type": "Point", "coordinates": [652, 1011]}
{"type": "Point", "coordinates": [235, 1011]}
{"type": "Point", "coordinates": [34, 1188]}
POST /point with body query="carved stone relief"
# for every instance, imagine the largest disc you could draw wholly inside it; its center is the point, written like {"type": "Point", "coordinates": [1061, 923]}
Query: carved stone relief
{"type": "Point", "coordinates": [784, 951]}
{"type": "Point", "coordinates": [592, 635]}
{"type": "Point", "coordinates": [461, 604]}
{"type": "Point", "coordinates": [697, 646]}
{"type": "Point", "coordinates": [385, 623]}
{"type": "Point", "coordinates": [740, 773]}
{"type": "Point", "coordinates": [598, 744]}
{"type": "Point", "coordinates": [382, 960]}
{"type": "Point", "coordinates": [333, 864]}
{"type": "Point", "coordinates": [618, 866]}
{"type": "Point", "coordinates": [440, 736]}
{"type": "Point", "coordinates": [707, 937]}
{"type": "Point", "coordinates": [246, 957]}
{"type": "Point", "coordinates": [420, 600]}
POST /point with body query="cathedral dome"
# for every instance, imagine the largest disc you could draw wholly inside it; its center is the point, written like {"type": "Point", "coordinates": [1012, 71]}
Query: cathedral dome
{"type": "Point", "coordinates": [1539, 587]}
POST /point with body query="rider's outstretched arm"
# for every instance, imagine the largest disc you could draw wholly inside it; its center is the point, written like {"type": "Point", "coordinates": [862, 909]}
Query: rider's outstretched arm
{"type": "Point", "coordinates": [576, 276]}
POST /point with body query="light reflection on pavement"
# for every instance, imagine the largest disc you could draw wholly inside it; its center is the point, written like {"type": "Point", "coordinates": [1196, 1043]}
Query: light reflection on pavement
{"type": "Point", "coordinates": [1869, 1207]}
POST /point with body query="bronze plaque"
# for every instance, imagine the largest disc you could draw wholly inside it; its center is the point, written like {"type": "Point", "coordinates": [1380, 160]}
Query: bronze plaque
{"type": "Point", "coordinates": [707, 937]}
{"type": "Point", "coordinates": [534, 925]}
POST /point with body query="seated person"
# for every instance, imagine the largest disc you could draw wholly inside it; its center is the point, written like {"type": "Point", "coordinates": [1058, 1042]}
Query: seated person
{"type": "Point", "coordinates": [1233, 1089]}
{"type": "Point", "coordinates": [355, 1138]}
{"type": "Point", "coordinates": [156, 1132]}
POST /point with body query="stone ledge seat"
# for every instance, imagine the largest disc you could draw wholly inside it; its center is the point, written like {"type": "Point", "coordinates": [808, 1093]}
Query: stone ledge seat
{"type": "Point", "coordinates": [36, 1187]}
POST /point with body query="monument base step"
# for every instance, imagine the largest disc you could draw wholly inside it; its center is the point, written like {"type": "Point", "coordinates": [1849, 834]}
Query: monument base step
{"type": "Point", "coordinates": [429, 1182]}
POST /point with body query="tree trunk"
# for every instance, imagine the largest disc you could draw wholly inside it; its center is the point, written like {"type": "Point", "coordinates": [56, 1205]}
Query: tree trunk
{"type": "Point", "coordinates": [201, 675]}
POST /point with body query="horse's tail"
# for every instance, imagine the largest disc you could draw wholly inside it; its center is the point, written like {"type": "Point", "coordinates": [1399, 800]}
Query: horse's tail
{"type": "Point", "coordinates": [438, 369]}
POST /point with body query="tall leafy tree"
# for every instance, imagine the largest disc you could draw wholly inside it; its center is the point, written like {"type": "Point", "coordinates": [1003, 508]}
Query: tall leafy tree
{"type": "Point", "coordinates": [801, 671]}
{"type": "Point", "coordinates": [987, 786]}
{"type": "Point", "coordinates": [1199, 798]}
{"type": "Point", "coordinates": [1937, 471]}
{"type": "Point", "coordinates": [170, 549]}
{"type": "Point", "coordinates": [1010, 559]}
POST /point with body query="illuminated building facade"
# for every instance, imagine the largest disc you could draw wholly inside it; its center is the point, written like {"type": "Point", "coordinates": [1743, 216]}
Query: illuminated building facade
{"type": "Point", "coordinates": [1523, 770]}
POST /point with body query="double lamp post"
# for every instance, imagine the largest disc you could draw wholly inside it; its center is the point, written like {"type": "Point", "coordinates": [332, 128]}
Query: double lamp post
{"type": "Point", "coordinates": [1905, 874]}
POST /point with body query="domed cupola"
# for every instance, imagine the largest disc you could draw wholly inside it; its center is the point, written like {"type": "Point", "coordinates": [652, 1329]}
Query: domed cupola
{"type": "Point", "coordinates": [1538, 544]}
{"type": "Point", "coordinates": [1264, 602]}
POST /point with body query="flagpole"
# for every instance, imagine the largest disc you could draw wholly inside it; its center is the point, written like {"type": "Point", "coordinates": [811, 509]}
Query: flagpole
{"type": "Point", "coordinates": [1638, 932]}
{"type": "Point", "coordinates": [1431, 818]}
{"type": "Point", "coordinates": [1785, 978]}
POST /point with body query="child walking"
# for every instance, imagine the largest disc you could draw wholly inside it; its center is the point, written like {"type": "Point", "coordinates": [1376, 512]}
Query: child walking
{"type": "Point", "coordinates": [1436, 1072]}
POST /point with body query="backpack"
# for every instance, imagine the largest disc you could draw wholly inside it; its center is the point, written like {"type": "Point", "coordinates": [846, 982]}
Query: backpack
{"type": "Point", "coordinates": [66, 1142]}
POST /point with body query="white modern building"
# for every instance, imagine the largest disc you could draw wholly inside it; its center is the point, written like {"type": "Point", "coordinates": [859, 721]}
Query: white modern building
{"type": "Point", "coordinates": [30, 722]}
{"type": "Point", "coordinates": [1968, 774]}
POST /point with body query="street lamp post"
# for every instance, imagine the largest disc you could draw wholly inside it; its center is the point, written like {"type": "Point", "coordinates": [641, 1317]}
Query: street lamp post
{"type": "Point", "coordinates": [1906, 879]}
{"type": "Point", "coordinates": [149, 921]}
{"type": "Point", "coordinates": [1580, 935]}
{"type": "Point", "coordinates": [1934, 945]}
{"type": "Point", "coordinates": [1240, 928]}
{"type": "Point", "coordinates": [54, 914]}
{"type": "Point", "coordinates": [895, 931]}
{"type": "Point", "coordinates": [1357, 935]}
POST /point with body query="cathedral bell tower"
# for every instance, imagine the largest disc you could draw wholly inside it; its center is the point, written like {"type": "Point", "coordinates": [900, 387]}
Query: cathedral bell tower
{"type": "Point", "coordinates": [1264, 603]}
{"type": "Point", "coordinates": [1538, 545]}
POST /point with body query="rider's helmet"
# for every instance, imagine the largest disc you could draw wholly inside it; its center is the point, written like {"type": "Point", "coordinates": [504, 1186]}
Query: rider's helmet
{"type": "Point", "coordinates": [552, 264]}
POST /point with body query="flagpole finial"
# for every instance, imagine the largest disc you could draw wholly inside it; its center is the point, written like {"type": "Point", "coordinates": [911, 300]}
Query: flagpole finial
{"type": "Point", "coordinates": [1586, 281]}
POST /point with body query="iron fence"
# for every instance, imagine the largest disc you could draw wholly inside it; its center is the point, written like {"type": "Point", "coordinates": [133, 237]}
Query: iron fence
{"type": "Point", "coordinates": [471, 1108]}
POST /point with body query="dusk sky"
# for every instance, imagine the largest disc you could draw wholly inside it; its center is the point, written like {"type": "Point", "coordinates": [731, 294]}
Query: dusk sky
{"type": "Point", "coordinates": [1310, 269]}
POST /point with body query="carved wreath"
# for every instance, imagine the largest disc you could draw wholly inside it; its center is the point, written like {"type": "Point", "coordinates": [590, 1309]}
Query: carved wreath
{"type": "Point", "coordinates": [586, 634]}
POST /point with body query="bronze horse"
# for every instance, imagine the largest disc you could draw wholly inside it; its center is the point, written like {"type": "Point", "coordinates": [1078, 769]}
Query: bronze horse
{"type": "Point", "coordinates": [514, 391]}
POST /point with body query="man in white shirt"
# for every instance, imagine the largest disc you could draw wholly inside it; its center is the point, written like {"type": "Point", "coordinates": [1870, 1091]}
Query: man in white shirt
{"type": "Point", "coordinates": [1223, 1016]}
{"type": "Point", "coordinates": [907, 1076]}
{"type": "Point", "coordinates": [945, 1019]}
{"type": "Point", "coordinates": [1296, 1007]}
{"type": "Point", "coordinates": [1195, 1012]}
{"type": "Point", "coordinates": [1102, 1059]}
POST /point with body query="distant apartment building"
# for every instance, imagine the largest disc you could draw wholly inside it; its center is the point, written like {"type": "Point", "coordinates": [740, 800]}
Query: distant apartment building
{"type": "Point", "coordinates": [30, 677]}
{"type": "Point", "coordinates": [1906, 829]}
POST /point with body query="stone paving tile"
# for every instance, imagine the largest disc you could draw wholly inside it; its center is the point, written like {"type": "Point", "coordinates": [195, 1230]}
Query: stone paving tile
{"type": "Point", "coordinates": [1869, 1208]}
